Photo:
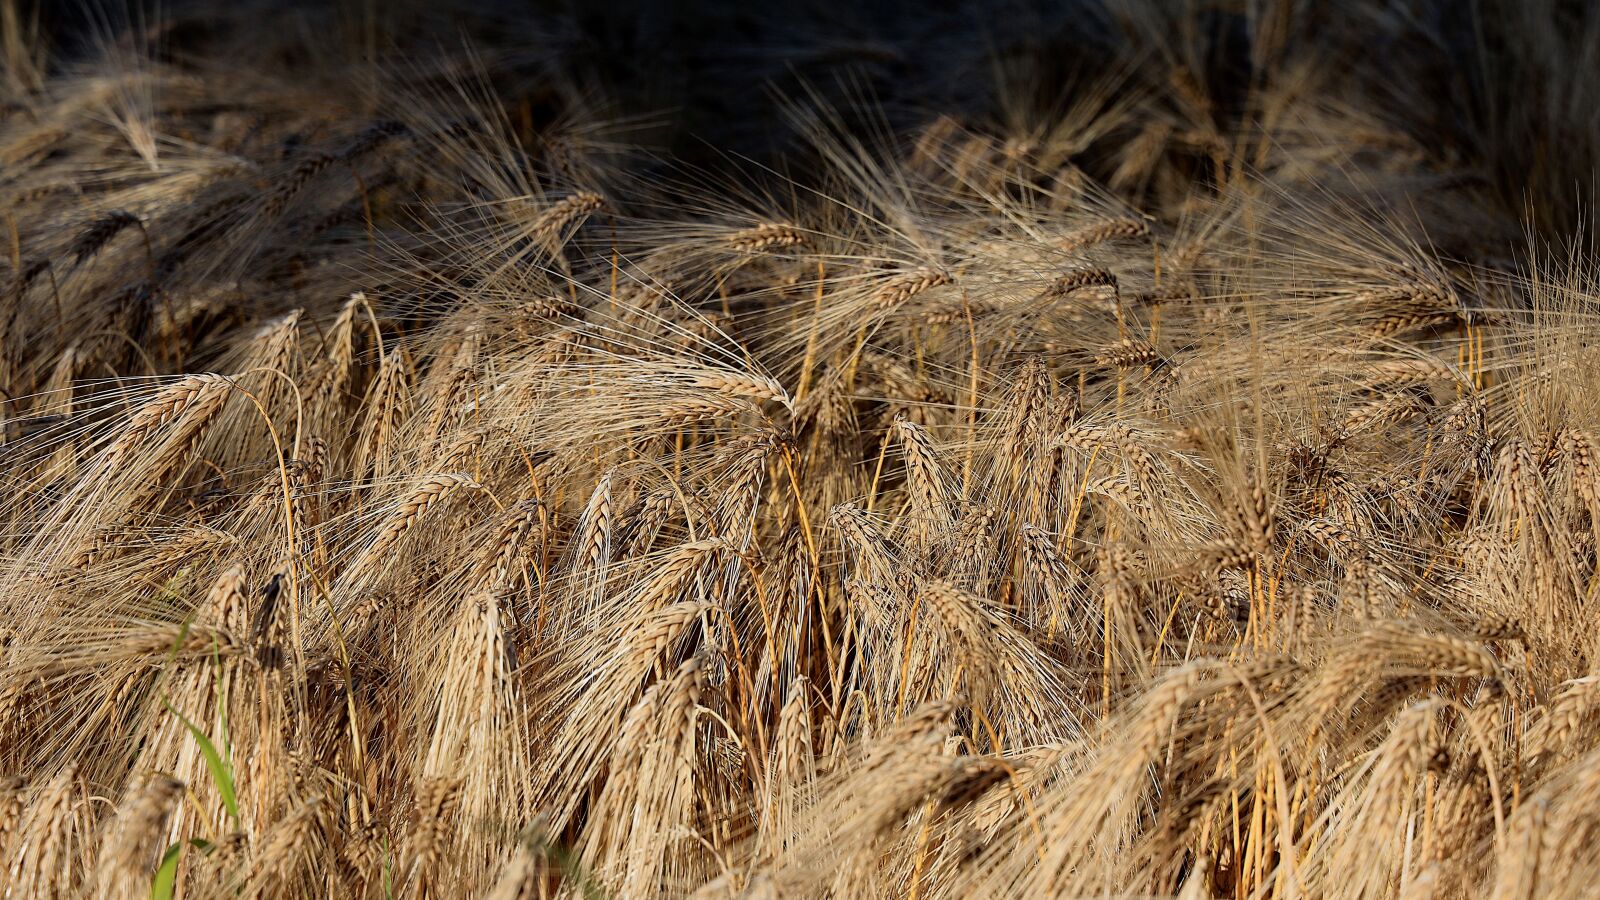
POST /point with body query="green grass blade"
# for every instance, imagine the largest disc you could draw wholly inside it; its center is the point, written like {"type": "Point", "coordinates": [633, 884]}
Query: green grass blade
{"type": "Point", "coordinates": [221, 772]}
{"type": "Point", "coordinates": [166, 880]}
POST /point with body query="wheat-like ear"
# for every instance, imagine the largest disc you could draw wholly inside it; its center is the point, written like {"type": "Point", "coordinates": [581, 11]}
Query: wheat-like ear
{"type": "Point", "coordinates": [595, 528]}
{"type": "Point", "coordinates": [1127, 354]}
{"type": "Point", "coordinates": [101, 232]}
{"type": "Point", "coordinates": [791, 770]}
{"type": "Point", "coordinates": [927, 482]}
{"type": "Point", "coordinates": [296, 180]}
{"type": "Point", "coordinates": [404, 515]}
{"type": "Point", "coordinates": [477, 735]}
{"type": "Point", "coordinates": [1377, 799]}
{"type": "Point", "coordinates": [387, 408]}
{"type": "Point", "coordinates": [499, 563]}
{"type": "Point", "coordinates": [1100, 232]}
{"type": "Point", "coordinates": [766, 237]}
{"type": "Point", "coordinates": [901, 289]}
{"type": "Point", "coordinates": [874, 553]}
{"type": "Point", "coordinates": [589, 723]}
{"type": "Point", "coordinates": [1079, 278]}
{"type": "Point", "coordinates": [43, 860]}
{"type": "Point", "coordinates": [174, 414]}
{"type": "Point", "coordinates": [136, 838]}
{"type": "Point", "coordinates": [292, 846]}
{"type": "Point", "coordinates": [652, 784]}
{"type": "Point", "coordinates": [1055, 594]}
{"type": "Point", "coordinates": [551, 227]}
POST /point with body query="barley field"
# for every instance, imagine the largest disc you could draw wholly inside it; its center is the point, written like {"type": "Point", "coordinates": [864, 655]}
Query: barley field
{"type": "Point", "coordinates": [940, 450]}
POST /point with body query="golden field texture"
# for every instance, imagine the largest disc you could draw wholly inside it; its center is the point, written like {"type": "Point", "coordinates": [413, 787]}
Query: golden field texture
{"type": "Point", "coordinates": [1157, 455]}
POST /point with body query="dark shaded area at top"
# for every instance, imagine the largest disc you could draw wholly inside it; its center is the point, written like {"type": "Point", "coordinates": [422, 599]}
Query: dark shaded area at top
{"type": "Point", "coordinates": [704, 80]}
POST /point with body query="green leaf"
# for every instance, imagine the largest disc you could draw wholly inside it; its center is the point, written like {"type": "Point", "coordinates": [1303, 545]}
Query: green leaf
{"type": "Point", "coordinates": [221, 772]}
{"type": "Point", "coordinates": [166, 880]}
